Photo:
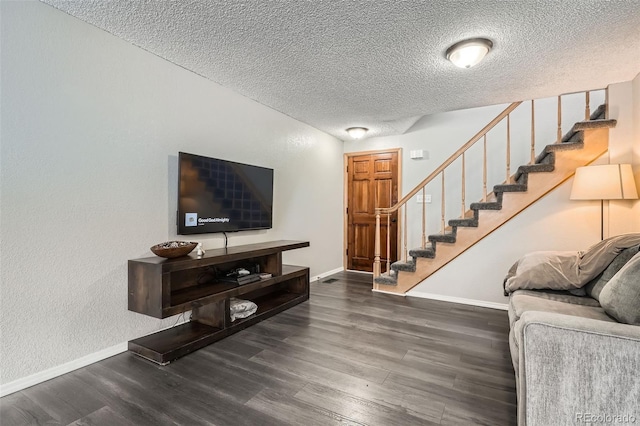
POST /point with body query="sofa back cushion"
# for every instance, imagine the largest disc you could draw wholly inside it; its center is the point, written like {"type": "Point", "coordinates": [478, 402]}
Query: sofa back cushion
{"type": "Point", "coordinates": [620, 298]}
{"type": "Point", "coordinates": [595, 286]}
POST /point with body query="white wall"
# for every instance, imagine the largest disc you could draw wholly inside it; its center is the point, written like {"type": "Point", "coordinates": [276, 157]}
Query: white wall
{"type": "Point", "coordinates": [635, 145]}
{"type": "Point", "coordinates": [636, 121]}
{"type": "Point", "coordinates": [624, 215]}
{"type": "Point", "coordinates": [91, 128]}
{"type": "Point", "coordinates": [552, 223]}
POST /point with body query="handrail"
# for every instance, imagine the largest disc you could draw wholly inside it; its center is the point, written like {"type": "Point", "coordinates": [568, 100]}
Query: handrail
{"type": "Point", "coordinates": [441, 170]}
{"type": "Point", "coordinates": [451, 159]}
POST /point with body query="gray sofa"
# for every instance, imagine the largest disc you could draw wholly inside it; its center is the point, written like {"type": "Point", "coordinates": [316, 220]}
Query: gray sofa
{"type": "Point", "coordinates": [577, 358]}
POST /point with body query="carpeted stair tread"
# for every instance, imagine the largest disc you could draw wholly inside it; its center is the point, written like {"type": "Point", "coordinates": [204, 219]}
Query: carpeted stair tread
{"type": "Point", "coordinates": [510, 187]}
{"type": "Point", "coordinates": [546, 158]}
{"type": "Point", "coordinates": [443, 238]}
{"type": "Point", "coordinates": [599, 112]}
{"type": "Point", "coordinates": [566, 146]}
{"type": "Point", "coordinates": [428, 252]}
{"type": "Point", "coordinates": [522, 173]}
{"type": "Point", "coordinates": [469, 222]}
{"type": "Point", "coordinates": [536, 168]}
{"type": "Point", "coordinates": [489, 205]}
{"type": "Point", "coordinates": [403, 266]}
{"type": "Point", "coordinates": [386, 279]}
{"type": "Point", "coordinates": [521, 179]}
{"type": "Point", "coordinates": [573, 136]}
{"type": "Point", "coordinates": [594, 124]}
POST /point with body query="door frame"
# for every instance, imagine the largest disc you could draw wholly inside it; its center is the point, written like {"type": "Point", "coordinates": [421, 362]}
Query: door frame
{"type": "Point", "coordinates": [345, 201]}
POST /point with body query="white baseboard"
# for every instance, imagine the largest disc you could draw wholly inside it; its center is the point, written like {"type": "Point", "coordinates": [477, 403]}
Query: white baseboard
{"type": "Point", "coordinates": [463, 301]}
{"type": "Point", "coordinates": [68, 367]}
{"type": "Point", "coordinates": [326, 274]}
{"type": "Point", "coordinates": [359, 272]}
{"type": "Point", "coordinates": [388, 292]}
{"type": "Point", "coordinates": [59, 370]}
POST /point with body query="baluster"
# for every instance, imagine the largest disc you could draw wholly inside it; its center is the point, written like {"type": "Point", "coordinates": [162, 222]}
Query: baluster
{"type": "Point", "coordinates": [508, 180]}
{"type": "Point", "coordinates": [424, 220]}
{"type": "Point", "coordinates": [442, 206]}
{"type": "Point", "coordinates": [376, 254]}
{"type": "Point", "coordinates": [587, 108]}
{"type": "Point", "coordinates": [463, 189]}
{"type": "Point", "coordinates": [533, 133]}
{"type": "Point", "coordinates": [388, 242]}
{"type": "Point", "coordinates": [405, 226]}
{"type": "Point", "coordinates": [559, 137]}
{"type": "Point", "coordinates": [484, 170]}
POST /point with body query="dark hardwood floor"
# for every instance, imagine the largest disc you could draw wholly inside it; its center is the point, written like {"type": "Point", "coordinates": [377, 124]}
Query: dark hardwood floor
{"type": "Point", "coordinates": [348, 356]}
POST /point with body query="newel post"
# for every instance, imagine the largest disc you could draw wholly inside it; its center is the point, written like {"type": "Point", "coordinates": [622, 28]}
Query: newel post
{"type": "Point", "coordinates": [376, 254]}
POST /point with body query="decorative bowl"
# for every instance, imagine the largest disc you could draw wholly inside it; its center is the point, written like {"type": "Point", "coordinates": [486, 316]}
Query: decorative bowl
{"type": "Point", "coordinates": [171, 249]}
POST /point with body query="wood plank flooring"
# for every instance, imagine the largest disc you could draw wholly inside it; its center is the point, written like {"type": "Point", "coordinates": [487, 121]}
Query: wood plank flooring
{"type": "Point", "coordinates": [348, 356]}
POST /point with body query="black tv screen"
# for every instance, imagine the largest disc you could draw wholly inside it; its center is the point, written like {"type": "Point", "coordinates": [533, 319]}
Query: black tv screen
{"type": "Point", "coordinates": [222, 196]}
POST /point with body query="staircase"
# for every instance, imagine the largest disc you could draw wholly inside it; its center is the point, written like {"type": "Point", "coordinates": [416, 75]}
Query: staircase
{"type": "Point", "coordinates": [585, 142]}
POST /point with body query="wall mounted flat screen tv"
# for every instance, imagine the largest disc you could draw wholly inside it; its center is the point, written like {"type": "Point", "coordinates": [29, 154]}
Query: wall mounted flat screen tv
{"type": "Point", "coordinates": [222, 196]}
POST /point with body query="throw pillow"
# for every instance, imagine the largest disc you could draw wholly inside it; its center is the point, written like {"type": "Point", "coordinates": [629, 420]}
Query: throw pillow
{"type": "Point", "coordinates": [597, 257]}
{"type": "Point", "coordinates": [620, 298]}
{"type": "Point", "coordinates": [553, 270]}
{"type": "Point", "coordinates": [595, 286]}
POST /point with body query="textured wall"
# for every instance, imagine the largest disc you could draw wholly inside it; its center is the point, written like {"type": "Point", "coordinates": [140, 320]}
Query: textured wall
{"type": "Point", "coordinates": [91, 128]}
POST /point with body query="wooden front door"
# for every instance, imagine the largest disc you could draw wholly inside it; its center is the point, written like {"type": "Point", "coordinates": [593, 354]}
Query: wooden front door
{"type": "Point", "coordinates": [372, 181]}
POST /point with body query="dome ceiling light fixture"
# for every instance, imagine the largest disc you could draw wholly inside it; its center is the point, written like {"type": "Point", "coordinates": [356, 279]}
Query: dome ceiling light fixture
{"type": "Point", "coordinates": [357, 132]}
{"type": "Point", "coordinates": [467, 53]}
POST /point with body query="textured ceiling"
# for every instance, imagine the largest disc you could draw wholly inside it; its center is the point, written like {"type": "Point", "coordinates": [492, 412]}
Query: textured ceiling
{"type": "Point", "coordinates": [380, 64]}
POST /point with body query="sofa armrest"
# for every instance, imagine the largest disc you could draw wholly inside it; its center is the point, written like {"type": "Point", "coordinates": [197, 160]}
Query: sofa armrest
{"type": "Point", "coordinates": [576, 370]}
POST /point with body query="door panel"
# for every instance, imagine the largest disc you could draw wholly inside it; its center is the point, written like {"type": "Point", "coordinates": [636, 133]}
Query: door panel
{"type": "Point", "coordinates": [361, 197]}
{"type": "Point", "coordinates": [361, 246]}
{"type": "Point", "coordinates": [383, 165]}
{"type": "Point", "coordinates": [384, 188]}
{"type": "Point", "coordinates": [372, 182]}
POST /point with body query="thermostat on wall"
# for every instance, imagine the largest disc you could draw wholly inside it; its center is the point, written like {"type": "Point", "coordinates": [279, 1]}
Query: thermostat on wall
{"type": "Point", "coordinates": [417, 154]}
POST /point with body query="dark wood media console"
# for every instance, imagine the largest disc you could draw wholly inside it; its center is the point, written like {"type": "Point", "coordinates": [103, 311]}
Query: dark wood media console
{"type": "Point", "coordinates": [164, 287]}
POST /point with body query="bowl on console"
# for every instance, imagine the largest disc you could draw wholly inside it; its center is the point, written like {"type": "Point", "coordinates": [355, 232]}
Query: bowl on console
{"type": "Point", "coordinates": [171, 249]}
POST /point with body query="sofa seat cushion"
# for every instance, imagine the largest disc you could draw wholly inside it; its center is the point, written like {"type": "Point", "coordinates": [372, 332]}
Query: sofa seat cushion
{"type": "Point", "coordinates": [526, 300]}
{"type": "Point", "coordinates": [515, 352]}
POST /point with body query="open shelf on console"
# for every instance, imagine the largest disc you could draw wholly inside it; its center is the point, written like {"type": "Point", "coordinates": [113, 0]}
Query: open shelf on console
{"type": "Point", "coordinates": [164, 346]}
{"type": "Point", "coordinates": [266, 304]}
{"type": "Point", "coordinates": [165, 287]}
{"type": "Point", "coordinates": [187, 297]}
{"type": "Point", "coordinates": [167, 345]}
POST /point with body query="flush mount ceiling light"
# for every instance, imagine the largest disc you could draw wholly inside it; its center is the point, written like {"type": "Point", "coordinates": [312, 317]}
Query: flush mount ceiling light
{"type": "Point", "coordinates": [468, 53]}
{"type": "Point", "coordinates": [357, 132]}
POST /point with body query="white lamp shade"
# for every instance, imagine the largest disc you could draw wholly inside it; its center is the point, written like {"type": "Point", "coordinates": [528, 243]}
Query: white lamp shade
{"type": "Point", "coordinates": [605, 182]}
